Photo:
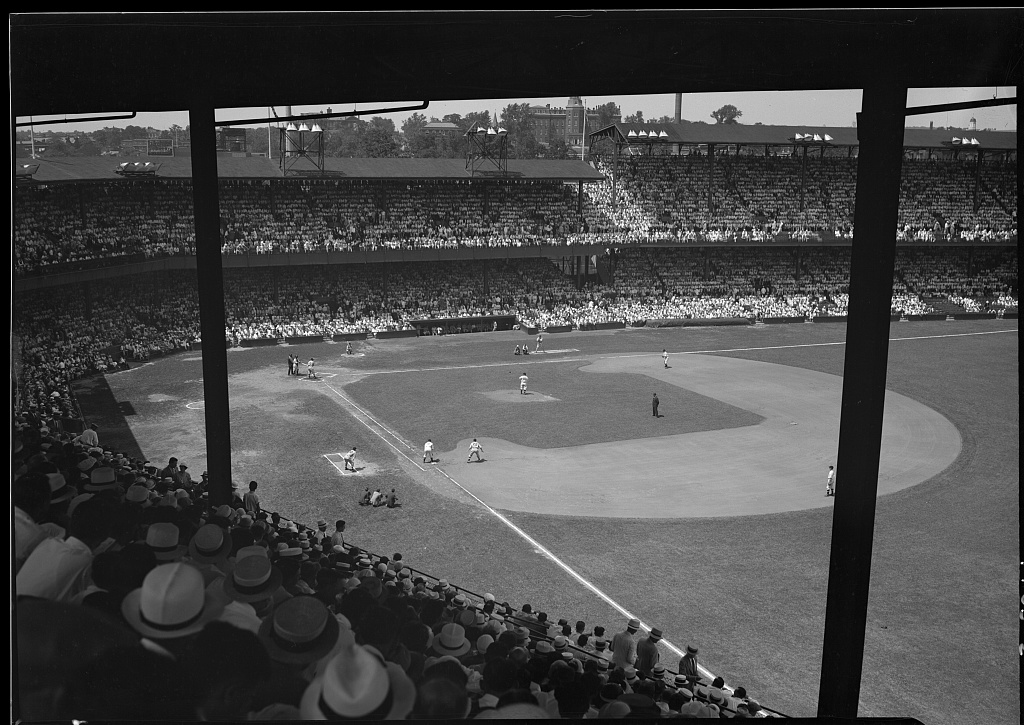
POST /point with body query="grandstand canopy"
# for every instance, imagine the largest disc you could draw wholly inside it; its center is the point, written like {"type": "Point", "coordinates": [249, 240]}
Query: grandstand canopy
{"type": "Point", "coordinates": [106, 168]}
{"type": "Point", "coordinates": [702, 134]}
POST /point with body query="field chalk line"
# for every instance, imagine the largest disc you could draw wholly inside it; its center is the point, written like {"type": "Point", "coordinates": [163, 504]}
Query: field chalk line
{"type": "Point", "coordinates": [525, 536]}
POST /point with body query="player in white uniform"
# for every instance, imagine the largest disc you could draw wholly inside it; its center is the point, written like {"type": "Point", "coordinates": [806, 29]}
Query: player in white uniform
{"type": "Point", "coordinates": [830, 482]}
{"type": "Point", "coordinates": [428, 452]}
{"type": "Point", "coordinates": [664, 356]}
{"type": "Point", "coordinates": [475, 449]}
{"type": "Point", "coordinates": [522, 384]}
{"type": "Point", "coordinates": [310, 372]}
{"type": "Point", "coordinates": [350, 460]}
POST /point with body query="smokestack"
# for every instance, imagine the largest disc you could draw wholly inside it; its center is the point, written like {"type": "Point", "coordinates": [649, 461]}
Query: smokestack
{"type": "Point", "coordinates": [679, 107]}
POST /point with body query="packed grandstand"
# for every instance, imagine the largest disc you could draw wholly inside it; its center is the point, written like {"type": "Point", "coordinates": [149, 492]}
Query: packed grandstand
{"type": "Point", "coordinates": [759, 239]}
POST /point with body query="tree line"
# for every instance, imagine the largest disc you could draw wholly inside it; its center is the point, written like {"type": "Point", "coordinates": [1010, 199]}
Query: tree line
{"type": "Point", "coordinates": [376, 137]}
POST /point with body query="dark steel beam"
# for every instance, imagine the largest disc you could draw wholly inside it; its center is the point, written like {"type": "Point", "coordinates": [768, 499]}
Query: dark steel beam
{"type": "Point", "coordinates": [211, 302]}
{"type": "Point", "coordinates": [880, 133]}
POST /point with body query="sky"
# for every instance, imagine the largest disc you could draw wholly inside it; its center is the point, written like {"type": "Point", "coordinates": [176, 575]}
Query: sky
{"type": "Point", "coordinates": [836, 108]}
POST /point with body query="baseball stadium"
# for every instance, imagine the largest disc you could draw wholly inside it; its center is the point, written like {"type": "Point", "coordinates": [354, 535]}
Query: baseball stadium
{"type": "Point", "coordinates": [711, 421]}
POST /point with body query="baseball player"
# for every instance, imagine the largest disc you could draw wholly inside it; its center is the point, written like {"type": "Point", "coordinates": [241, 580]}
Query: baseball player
{"type": "Point", "coordinates": [830, 482]}
{"type": "Point", "coordinates": [350, 460]}
{"type": "Point", "coordinates": [522, 384]}
{"type": "Point", "coordinates": [664, 356]}
{"type": "Point", "coordinates": [475, 449]}
{"type": "Point", "coordinates": [428, 452]}
{"type": "Point", "coordinates": [310, 372]}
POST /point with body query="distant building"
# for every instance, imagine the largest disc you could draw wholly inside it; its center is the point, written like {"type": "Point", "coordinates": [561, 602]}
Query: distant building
{"type": "Point", "coordinates": [550, 124]}
{"type": "Point", "coordinates": [442, 128]}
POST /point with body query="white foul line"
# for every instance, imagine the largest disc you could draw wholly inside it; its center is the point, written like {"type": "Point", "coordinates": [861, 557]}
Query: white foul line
{"type": "Point", "coordinates": [809, 344]}
{"type": "Point", "coordinates": [529, 539]}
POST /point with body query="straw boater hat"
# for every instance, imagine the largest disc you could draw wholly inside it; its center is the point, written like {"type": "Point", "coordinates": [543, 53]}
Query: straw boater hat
{"type": "Point", "coordinates": [253, 579]}
{"type": "Point", "coordinates": [358, 684]}
{"type": "Point", "coordinates": [162, 539]}
{"type": "Point", "coordinates": [300, 631]}
{"type": "Point", "coordinates": [60, 491]}
{"type": "Point", "coordinates": [210, 545]}
{"type": "Point", "coordinates": [172, 602]}
{"type": "Point", "coordinates": [451, 641]}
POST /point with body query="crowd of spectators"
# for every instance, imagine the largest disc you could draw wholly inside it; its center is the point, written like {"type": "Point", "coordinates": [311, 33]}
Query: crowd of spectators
{"type": "Point", "coordinates": [746, 198]}
{"type": "Point", "coordinates": [105, 326]}
{"type": "Point", "coordinates": [138, 599]}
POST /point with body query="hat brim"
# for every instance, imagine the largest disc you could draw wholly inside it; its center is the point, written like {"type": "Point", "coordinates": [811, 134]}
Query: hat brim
{"type": "Point", "coordinates": [323, 644]}
{"type": "Point", "coordinates": [265, 591]}
{"type": "Point", "coordinates": [221, 555]}
{"type": "Point", "coordinates": [177, 553]}
{"type": "Point", "coordinates": [403, 693]}
{"type": "Point", "coordinates": [133, 616]}
{"type": "Point", "coordinates": [462, 649]}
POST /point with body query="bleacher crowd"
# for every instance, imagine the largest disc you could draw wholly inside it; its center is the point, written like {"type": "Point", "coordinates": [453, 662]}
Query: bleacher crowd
{"type": "Point", "coordinates": [107, 327]}
{"type": "Point", "coordinates": [643, 200]}
{"type": "Point", "coordinates": [137, 599]}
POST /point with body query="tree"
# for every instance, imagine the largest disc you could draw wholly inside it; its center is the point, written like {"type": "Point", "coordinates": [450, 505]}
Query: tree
{"type": "Point", "coordinates": [606, 114]}
{"type": "Point", "coordinates": [727, 114]}
{"type": "Point", "coordinates": [522, 144]}
{"type": "Point", "coordinates": [379, 139]}
{"type": "Point", "coordinates": [557, 149]}
{"type": "Point", "coordinates": [418, 143]}
{"type": "Point", "coordinates": [637, 117]}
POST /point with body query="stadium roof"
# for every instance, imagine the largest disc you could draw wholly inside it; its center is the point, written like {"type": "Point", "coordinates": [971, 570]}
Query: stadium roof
{"type": "Point", "coordinates": [104, 168]}
{"type": "Point", "coordinates": [758, 135]}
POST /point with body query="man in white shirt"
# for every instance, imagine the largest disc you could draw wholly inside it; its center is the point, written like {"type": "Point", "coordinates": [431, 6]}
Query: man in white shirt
{"type": "Point", "coordinates": [522, 384]}
{"type": "Point", "coordinates": [428, 452]}
{"type": "Point", "coordinates": [830, 482]}
{"type": "Point", "coordinates": [89, 437]}
{"type": "Point", "coordinates": [350, 460]}
{"type": "Point", "coordinates": [475, 449]}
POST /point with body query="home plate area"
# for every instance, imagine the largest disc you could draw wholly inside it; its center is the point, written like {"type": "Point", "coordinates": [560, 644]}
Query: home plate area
{"type": "Point", "coordinates": [362, 467]}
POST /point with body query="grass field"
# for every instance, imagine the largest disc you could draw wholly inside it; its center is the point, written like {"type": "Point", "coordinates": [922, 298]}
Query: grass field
{"type": "Point", "coordinates": [941, 640]}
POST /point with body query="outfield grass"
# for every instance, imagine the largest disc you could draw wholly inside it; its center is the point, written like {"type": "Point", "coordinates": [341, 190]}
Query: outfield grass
{"type": "Point", "coordinates": [749, 591]}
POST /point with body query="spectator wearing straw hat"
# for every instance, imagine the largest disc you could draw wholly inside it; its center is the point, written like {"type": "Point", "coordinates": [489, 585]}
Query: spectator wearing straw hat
{"type": "Point", "coordinates": [357, 684]}
{"type": "Point", "coordinates": [688, 666]}
{"type": "Point", "coordinates": [623, 645]}
{"type": "Point", "coordinates": [58, 569]}
{"type": "Point", "coordinates": [30, 496]}
{"type": "Point", "coordinates": [171, 606]}
{"type": "Point", "coordinates": [647, 654]}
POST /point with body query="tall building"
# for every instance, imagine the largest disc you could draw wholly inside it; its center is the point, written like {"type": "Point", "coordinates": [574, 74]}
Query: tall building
{"type": "Point", "coordinates": [568, 123]}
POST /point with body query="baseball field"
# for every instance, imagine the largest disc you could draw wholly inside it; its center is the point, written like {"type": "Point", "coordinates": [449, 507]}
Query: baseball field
{"type": "Point", "coordinates": [708, 521]}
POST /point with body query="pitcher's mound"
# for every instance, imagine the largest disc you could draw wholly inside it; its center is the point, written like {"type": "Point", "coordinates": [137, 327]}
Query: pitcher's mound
{"type": "Point", "coordinates": [514, 396]}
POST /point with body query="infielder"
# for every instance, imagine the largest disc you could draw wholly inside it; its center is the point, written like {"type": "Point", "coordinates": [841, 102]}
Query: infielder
{"type": "Point", "coordinates": [350, 460]}
{"type": "Point", "coordinates": [522, 384]}
{"type": "Point", "coordinates": [830, 482]}
{"type": "Point", "coordinates": [428, 452]}
{"type": "Point", "coordinates": [475, 449]}
{"type": "Point", "coordinates": [664, 356]}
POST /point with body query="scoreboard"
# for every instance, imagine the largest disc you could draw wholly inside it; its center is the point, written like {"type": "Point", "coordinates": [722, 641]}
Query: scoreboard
{"type": "Point", "coordinates": [159, 147]}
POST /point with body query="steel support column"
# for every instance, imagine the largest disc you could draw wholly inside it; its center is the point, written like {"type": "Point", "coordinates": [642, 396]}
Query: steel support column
{"type": "Point", "coordinates": [211, 302]}
{"type": "Point", "coordinates": [880, 134]}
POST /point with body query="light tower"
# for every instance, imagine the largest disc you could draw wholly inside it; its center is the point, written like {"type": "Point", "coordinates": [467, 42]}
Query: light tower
{"type": "Point", "coordinates": [301, 145]}
{"type": "Point", "coordinates": [488, 147]}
